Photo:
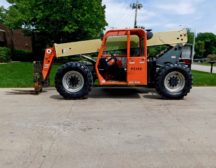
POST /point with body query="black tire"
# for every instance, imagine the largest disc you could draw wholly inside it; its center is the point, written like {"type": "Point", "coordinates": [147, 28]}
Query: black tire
{"type": "Point", "coordinates": [173, 81]}
{"type": "Point", "coordinates": [73, 80]}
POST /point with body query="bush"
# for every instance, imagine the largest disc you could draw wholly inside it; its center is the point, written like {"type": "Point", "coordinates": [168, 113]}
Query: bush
{"type": "Point", "coordinates": [22, 55]}
{"type": "Point", "coordinates": [5, 54]}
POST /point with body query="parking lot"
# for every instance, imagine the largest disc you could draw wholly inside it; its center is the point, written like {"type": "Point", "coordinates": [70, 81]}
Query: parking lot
{"type": "Point", "coordinates": [113, 128]}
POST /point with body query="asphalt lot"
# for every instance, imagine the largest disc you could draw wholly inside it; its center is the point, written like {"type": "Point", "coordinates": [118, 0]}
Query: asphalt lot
{"type": "Point", "coordinates": [203, 68]}
{"type": "Point", "coordinates": [113, 128]}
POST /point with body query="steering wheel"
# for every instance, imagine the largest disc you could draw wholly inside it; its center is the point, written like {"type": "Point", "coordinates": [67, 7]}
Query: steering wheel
{"type": "Point", "coordinates": [112, 57]}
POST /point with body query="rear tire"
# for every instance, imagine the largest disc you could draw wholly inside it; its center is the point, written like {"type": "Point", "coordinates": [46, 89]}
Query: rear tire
{"type": "Point", "coordinates": [73, 80]}
{"type": "Point", "coordinates": [174, 81]}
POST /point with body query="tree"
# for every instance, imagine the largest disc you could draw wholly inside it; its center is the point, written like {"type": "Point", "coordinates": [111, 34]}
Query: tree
{"type": "Point", "coordinates": [190, 36]}
{"type": "Point", "coordinates": [2, 14]}
{"type": "Point", "coordinates": [155, 50]}
{"type": "Point", "coordinates": [57, 20]}
{"type": "Point", "coordinates": [205, 44]}
{"type": "Point", "coordinates": [63, 20]}
{"type": "Point", "coordinates": [200, 49]}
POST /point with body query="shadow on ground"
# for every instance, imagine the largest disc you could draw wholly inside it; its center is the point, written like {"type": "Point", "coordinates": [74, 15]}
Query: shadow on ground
{"type": "Point", "coordinates": [100, 92]}
{"type": "Point", "coordinates": [152, 96]}
{"type": "Point", "coordinates": [22, 92]}
{"type": "Point", "coordinates": [118, 93]}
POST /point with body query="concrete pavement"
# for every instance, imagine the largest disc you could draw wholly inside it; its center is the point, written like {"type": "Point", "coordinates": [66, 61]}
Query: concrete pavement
{"type": "Point", "coordinates": [113, 128]}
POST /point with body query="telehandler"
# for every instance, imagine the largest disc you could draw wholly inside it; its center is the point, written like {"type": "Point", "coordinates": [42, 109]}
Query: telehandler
{"type": "Point", "coordinates": [122, 61]}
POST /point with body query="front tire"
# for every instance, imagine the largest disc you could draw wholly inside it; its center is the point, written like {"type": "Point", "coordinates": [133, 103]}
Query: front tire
{"type": "Point", "coordinates": [73, 80]}
{"type": "Point", "coordinates": [174, 81]}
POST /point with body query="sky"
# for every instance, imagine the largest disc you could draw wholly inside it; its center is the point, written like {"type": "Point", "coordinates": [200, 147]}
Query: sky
{"type": "Point", "coordinates": [161, 15]}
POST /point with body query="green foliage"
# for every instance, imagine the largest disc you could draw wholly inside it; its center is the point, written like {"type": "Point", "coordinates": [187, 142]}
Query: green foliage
{"type": "Point", "coordinates": [2, 14]}
{"type": "Point", "coordinates": [22, 55]}
{"type": "Point", "coordinates": [190, 36]}
{"type": "Point", "coordinates": [56, 21]}
{"type": "Point", "coordinates": [200, 49]}
{"type": "Point", "coordinates": [212, 57]}
{"type": "Point", "coordinates": [205, 44]}
{"type": "Point", "coordinates": [203, 79]}
{"type": "Point", "coordinates": [5, 54]}
{"type": "Point", "coordinates": [155, 50]}
{"type": "Point", "coordinates": [60, 20]}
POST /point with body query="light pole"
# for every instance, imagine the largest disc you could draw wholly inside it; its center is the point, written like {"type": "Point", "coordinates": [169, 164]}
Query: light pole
{"type": "Point", "coordinates": [194, 43]}
{"type": "Point", "coordinates": [136, 6]}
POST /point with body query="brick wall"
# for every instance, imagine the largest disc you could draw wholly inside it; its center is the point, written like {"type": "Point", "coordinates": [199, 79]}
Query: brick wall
{"type": "Point", "coordinates": [14, 38]}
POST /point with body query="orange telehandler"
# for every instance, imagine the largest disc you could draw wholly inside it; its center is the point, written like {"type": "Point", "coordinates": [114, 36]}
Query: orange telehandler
{"type": "Point", "coordinates": [122, 61]}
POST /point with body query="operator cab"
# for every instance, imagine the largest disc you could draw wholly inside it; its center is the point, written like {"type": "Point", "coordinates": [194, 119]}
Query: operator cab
{"type": "Point", "coordinates": [122, 59]}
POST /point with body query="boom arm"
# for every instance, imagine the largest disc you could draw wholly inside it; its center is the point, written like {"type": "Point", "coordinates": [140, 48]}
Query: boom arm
{"type": "Point", "coordinates": [93, 46]}
{"type": "Point", "coordinates": [171, 38]}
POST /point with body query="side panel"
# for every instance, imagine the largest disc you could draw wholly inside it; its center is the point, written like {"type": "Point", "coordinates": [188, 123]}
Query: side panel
{"type": "Point", "coordinates": [137, 71]}
{"type": "Point", "coordinates": [137, 62]}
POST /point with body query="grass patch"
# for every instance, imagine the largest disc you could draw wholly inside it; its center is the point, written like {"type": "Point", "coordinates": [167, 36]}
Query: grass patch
{"type": "Point", "coordinates": [203, 78]}
{"type": "Point", "coordinates": [20, 74]}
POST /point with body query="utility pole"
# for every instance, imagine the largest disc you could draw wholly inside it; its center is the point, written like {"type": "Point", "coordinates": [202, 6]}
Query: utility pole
{"type": "Point", "coordinates": [136, 6]}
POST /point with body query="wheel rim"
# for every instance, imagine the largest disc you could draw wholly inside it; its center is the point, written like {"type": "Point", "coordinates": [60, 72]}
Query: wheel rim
{"type": "Point", "coordinates": [73, 81]}
{"type": "Point", "coordinates": [174, 81]}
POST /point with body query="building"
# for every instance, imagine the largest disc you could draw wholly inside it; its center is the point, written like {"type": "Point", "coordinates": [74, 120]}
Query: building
{"type": "Point", "coordinates": [14, 39]}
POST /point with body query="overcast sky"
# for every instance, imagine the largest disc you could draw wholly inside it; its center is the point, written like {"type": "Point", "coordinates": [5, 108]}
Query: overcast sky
{"type": "Point", "coordinates": [161, 15]}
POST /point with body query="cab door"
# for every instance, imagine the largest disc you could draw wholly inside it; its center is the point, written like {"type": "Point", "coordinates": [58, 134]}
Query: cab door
{"type": "Point", "coordinates": [137, 60]}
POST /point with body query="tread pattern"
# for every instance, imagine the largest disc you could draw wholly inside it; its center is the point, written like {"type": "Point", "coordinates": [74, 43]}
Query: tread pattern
{"type": "Point", "coordinates": [160, 77]}
{"type": "Point", "coordinates": [75, 66]}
